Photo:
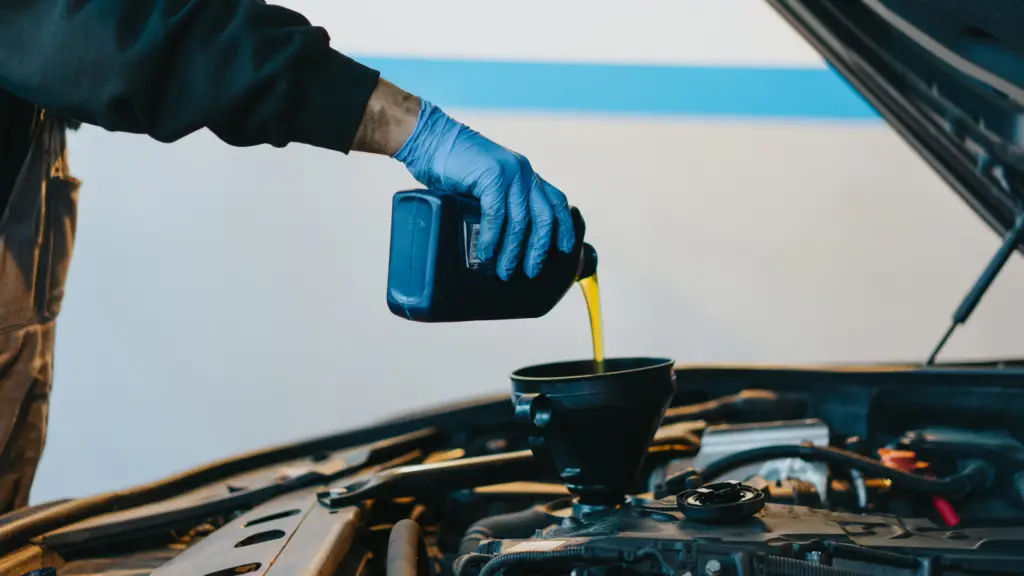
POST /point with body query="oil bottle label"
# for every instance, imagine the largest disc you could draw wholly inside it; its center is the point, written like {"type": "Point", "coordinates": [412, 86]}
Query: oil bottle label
{"type": "Point", "coordinates": [470, 237]}
{"type": "Point", "coordinates": [472, 234]}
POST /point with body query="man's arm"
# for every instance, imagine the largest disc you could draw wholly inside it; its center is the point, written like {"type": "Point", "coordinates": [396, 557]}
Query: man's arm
{"type": "Point", "coordinates": [252, 73]}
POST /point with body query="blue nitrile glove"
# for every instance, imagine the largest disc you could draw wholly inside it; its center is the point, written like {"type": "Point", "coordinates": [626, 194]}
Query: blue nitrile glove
{"type": "Point", "coordinates": [448, 156]}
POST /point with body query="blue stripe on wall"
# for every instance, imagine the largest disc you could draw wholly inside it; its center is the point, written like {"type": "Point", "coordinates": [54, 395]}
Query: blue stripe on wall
{"type": "Point", "coordinates": [785, 93]}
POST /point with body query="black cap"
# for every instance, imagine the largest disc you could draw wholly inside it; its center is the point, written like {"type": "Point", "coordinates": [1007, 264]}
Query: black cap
{"type": "Point", "coordinates": [588, 261]}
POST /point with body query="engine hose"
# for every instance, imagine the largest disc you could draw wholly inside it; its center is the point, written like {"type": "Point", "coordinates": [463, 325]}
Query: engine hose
{"type": "Point", "coordinates": [975, 475]}
{"type": "Point", "coordinates": [406, 554]}
{"type": "Point", "coordinates": [516, 525]}
{"type": "Point", "coordinates": [467, 560]}
{"type": "Point", "coordinates": [580, 552]}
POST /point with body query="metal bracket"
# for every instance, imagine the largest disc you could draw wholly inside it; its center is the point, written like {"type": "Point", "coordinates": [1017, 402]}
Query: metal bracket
{"type": "Point", "coordinates": [290, 535]}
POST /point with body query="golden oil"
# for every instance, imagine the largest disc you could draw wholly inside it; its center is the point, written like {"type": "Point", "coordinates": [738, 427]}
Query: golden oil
{"type": "Point", "coordinates": [592, 294]}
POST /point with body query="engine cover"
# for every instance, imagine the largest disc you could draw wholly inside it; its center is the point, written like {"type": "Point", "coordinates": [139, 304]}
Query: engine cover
{"type": "Point", "coordinates": [654, 537]}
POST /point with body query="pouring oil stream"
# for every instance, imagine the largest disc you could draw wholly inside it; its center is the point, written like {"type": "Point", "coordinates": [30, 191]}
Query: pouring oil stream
{"type": "Point", "coordinates": [592, 294]}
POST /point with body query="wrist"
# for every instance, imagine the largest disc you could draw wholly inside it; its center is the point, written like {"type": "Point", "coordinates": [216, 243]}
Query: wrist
{"type": "Point", "coordinates": [389, 120]}
{"type": "Point", "coordinates": [426, 150]}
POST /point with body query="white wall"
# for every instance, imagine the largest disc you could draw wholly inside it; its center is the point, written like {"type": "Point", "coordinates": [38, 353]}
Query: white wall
{"type": "Point", "coordinates": [223, 299]}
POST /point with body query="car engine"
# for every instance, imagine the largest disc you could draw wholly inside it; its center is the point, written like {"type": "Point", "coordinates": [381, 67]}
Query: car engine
{"type": "Point", "coordinates": [862, 470]}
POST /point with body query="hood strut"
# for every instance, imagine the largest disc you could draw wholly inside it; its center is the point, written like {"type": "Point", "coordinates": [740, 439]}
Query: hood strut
{"type": "Point", "coordinates": [970, 301]}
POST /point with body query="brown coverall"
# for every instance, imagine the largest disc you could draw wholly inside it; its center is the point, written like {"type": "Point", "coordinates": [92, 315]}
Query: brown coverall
{"type": "Point", "coordinates": [250, 72]}
{"type": "Point", "coordinates": [37, 232]}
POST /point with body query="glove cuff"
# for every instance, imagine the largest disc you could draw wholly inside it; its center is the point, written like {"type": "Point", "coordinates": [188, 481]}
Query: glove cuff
{"type": "Point", "coordinates": [404, 152]}
{"type": "Point", "coordinates": [426, 150]}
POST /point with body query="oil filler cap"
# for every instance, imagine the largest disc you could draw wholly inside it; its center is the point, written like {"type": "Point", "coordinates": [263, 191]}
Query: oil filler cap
{"type": "Point", "coordinates": [720, 502]}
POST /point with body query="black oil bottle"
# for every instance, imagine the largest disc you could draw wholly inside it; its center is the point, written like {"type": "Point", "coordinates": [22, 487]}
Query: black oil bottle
{"type": "Point", "coordinates": [434, 274]}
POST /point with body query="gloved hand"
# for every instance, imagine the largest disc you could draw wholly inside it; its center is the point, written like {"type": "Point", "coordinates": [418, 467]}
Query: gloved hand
{"type": "Point", "coordinates": [445, 155]}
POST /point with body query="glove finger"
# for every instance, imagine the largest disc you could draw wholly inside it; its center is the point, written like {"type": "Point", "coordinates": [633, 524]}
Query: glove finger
{"type": "Point", "coordinates": [492, 216]}
{"type": "Point", "coordinates": [517, 219]}
{"type": "Point", "coordinates": [560, 207]}
{"type": "Point", "coordinates": [542, 219]}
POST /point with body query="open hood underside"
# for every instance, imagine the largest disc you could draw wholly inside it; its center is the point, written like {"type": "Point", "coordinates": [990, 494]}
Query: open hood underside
{"type": "Point", "coordinates": [948, 75]}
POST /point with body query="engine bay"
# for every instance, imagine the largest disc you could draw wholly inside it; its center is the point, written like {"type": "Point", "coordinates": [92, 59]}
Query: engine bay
{"type": "Point", "coordinates": [653, 468]}
{"type": "Point", "coordinates": [844, 470]}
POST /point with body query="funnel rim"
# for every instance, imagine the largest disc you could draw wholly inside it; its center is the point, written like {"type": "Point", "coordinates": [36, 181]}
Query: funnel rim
{"type": "Point", "coordinates": [648, 363]}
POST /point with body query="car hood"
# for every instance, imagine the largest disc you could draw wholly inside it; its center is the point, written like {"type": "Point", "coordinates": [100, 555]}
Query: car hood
{"type": "Point", "coordinates": [947, 75]}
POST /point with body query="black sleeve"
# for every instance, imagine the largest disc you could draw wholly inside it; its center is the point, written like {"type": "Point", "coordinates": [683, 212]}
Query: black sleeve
{"type": "Point", "coordinates": [252, 73]}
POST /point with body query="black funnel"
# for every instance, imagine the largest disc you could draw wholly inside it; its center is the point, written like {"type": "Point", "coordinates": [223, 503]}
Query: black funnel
{"type": "Point", "coordinates": [595, 428]}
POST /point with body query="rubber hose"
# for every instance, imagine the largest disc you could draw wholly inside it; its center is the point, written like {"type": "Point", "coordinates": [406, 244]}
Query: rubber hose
{"type": "Point", "coordinates": [520, 524]}
{"type": "Point", "coordinates": [404, 550]}
{"type": "Point", "coordinates": [466, 560]}
{"type": "Point", "coordinates": [504, 561]}
{"type": "Point", "coordinates": [975, 475]}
